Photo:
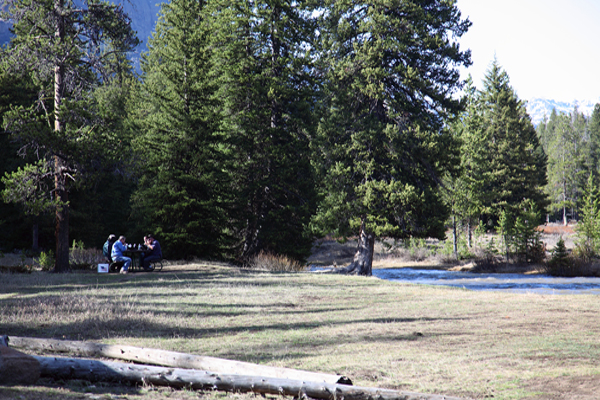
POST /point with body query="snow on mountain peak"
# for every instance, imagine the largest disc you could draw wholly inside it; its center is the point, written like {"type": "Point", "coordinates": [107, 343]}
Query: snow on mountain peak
{"type": "Point", "coordinates": [538, 108]}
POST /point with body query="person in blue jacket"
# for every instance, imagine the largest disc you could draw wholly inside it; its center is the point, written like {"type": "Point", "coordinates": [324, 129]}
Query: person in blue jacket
{"type": "Point", "coordinates": [117, 254]}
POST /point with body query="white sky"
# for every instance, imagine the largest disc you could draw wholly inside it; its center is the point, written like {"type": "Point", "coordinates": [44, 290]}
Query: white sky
{"type": "Point", "coordinates": [549, 48]}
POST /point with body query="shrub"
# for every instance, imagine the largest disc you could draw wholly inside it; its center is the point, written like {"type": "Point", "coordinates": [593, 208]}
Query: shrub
{"type": "Point", "coordinates": [489, 258]}
{"type": "Point", "coordinates": [82, 258]}
{"type": "Point", "coordinates": [519, 233]}
{"type": "Point", "coordinates": [537, 251]}
{"type": "Point", "coordinates": [417, 249]}
{"type": "Point", "coordinates": [45, 260]}
{"type": "Point", "coordinates": [464, 252]}
{"type": "Point", "coordinates": [563, 264]}
{"type": "Point", "coordinates": [272, 262]}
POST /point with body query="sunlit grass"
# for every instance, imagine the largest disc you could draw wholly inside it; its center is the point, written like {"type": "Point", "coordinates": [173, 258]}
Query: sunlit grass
{"type": "Point", "coordinates": [385, 334]}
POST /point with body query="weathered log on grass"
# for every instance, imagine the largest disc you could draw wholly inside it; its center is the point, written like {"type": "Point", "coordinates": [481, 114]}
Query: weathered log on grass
{"type": "Point", "coordinates": [17, 368]}
{"type": "Point", "coordinates": [171, 359]}
{"type": "Point", "coordinates": [93, 370]}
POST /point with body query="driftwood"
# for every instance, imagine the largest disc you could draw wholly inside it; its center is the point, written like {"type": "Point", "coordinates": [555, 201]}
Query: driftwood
{"type": "Point", "coordinates": [92, 370]}
{"type": "Point", "coordinates": [171, 359]}
{"type": "Point", "coordinates": [16, 368]}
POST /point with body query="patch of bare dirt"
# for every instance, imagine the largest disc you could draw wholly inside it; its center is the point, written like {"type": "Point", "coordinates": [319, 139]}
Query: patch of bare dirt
{"type": "Point", "coordinates": [585, 387]}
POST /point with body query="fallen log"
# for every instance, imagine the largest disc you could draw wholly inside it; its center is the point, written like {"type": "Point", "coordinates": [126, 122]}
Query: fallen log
{"type": "Point", "coordinates": [93, 370]}
{"type": "Point", "coordinates": [17, 368]}
{"type": "Point", "coordinates": [171, 359]}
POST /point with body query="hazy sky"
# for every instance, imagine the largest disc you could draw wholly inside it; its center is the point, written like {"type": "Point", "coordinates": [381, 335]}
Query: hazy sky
{"type": "Point", "coordinates": [549, 48]}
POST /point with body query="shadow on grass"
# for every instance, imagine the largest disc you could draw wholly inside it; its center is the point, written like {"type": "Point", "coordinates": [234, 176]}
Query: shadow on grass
{"type": "Point", "coordinates": [97, 329]}
{"type": "Point", "coordinates": [49, 389]}
{"type": "Point", "coordinates": [154, 306]}
{"type": "Point", "coordinates": [64, 283]}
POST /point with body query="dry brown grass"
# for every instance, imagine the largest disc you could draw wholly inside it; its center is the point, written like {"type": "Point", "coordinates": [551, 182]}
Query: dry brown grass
{"type": "Point", "coordinates": [271, 262]}
{"type": "Point", "coordinates": [417, 338]}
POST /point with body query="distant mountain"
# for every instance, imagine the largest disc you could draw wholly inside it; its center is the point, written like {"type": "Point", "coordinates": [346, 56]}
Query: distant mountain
{"type": "Point", "coordinates": [538, 108]}
{"type": "Point", "coordinates": [143, 14]}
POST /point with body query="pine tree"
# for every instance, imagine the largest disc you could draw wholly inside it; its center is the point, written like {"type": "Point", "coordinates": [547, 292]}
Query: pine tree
{"type": "Point", "coordinates": [588, 228]}
{"type": "Point", "coordinates": [463, 191]}
{"type": "Point", "coordinates": [66, 46]}
{"type": "Point", "coordinates": [560, 263]}
{"type": "Point", "coordinates": [568, 142]}
{"type": "Point", "coordinates": [562, 187]}
{"type": "Point", "coordinates": [16, 89]}
{"type": "Point", "coordinates": [263, 68]}
{"type": "Point", "coordinates": [592, 147]}
{"type": "Point", "coordinates": [181, 192]}
{"type": "Point", "coordinates": [380, 148]}
{"type": "Point", "coordinates": [508, 162]}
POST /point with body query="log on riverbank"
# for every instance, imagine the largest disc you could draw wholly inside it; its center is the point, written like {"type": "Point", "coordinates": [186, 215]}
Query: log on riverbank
{"type": "Point", "coordinates": [171, 359]}
{"type": "Point", "coordinates": [93, 370]}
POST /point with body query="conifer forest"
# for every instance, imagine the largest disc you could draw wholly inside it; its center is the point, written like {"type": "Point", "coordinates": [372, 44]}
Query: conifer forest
{"type": "Point", "coordinates": [261, 125]}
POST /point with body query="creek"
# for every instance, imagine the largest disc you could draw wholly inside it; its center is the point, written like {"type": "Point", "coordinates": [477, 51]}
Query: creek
{"type": "Point", "coordinates": [518, 283]}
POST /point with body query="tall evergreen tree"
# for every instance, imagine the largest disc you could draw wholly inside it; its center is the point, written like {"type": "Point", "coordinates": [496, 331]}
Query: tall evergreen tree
{"type": "Point", "coordinates": [181, 196]}
{"type": "Point", "coordinates": [16, 89]}
{"type": "Point", "coordinates": [592, 148]}
{"type": "Point", "coordinates": [588, 229]}
{"type": "Point", "coordinates": [569, 144]}
{"type": "Point", "coordinates": [389, 68]}
{"type": "Point", "coordinates": [562, 165]}
{"type": "Point", "coordinates": [509, 162]}
{"type": "Point", "coordinates": [581, 141]}
{"type": "Point", "coordinates": [462, 192]}
{"type": "Point", "coordinates": [66, 46]}
{"type": "Point", "coordinates": [263, 68]}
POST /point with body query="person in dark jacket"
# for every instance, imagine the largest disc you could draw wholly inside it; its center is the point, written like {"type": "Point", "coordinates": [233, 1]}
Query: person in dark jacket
{"type": "Point", "coordinates": [107, 249]}
{"type": "Point", "coordinates": [154, 252]}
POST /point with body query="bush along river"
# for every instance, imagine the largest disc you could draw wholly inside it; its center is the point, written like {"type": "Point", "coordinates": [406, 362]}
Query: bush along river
{"type": "Point", "coordinates": [519, 283]}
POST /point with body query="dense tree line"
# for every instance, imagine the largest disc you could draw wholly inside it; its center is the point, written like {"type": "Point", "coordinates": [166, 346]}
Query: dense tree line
{"type": "Point", "coordinates": [572, 142]}
{"type": "Point", "coordinates": [258, 126]}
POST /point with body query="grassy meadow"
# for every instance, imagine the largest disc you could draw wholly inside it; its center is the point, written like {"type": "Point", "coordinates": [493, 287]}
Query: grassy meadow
{"type": "Point", "coordinates": [408, 337]}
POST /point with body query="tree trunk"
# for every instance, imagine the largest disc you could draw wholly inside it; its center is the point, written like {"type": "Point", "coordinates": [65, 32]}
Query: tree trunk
{"type": "Point", "coordinates": [454, 237]}
{"type": "Point", "coordinates": [36, 234]}
{"type": "Point", "coordinates": [62, 223]}
{"type": "Point", "coordinates": [469, 233]}
{"type": "Point", "coordinates": [60, 173]}
{"type": "Point", "coordinates": [363, 259]}
{"type": "Point", "coordinates": [92, 370]}
{"type": "Point", "coordinates": [170, 359]}
{"type": "Point", "coordinates": [275, 68]}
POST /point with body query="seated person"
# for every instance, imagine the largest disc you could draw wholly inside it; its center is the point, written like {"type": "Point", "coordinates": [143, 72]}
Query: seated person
{"type": "Point", "coordinates": [117, 254]}
{"type": "Point", "coordinates": [154, 252]}
{"type": "Point", "coordinates": [107, 249]}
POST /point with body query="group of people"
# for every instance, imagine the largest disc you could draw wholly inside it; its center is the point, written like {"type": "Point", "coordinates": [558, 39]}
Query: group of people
{"type": "Point", "coordinates": [114, 250]}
